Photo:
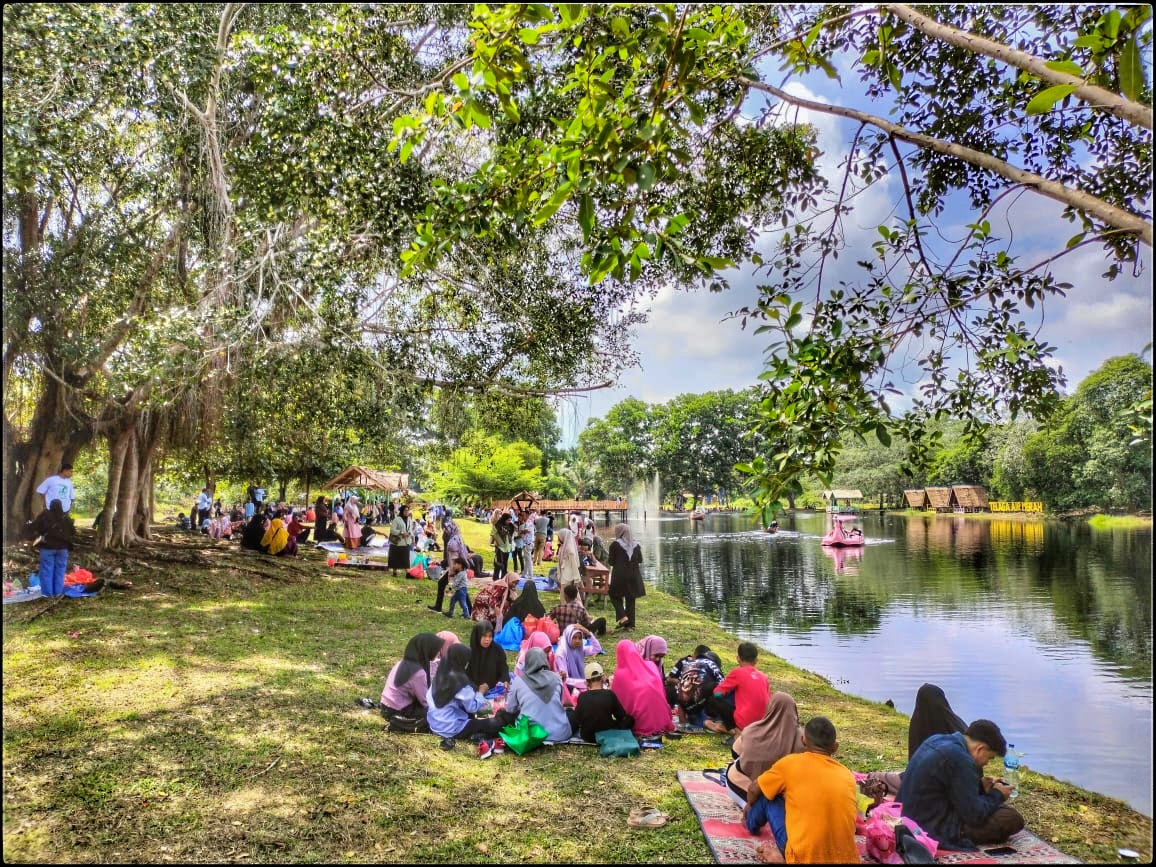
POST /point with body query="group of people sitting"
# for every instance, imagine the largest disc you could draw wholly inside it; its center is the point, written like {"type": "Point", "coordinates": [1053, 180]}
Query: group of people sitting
{"type": "Point", "coordinates": [782, 773]}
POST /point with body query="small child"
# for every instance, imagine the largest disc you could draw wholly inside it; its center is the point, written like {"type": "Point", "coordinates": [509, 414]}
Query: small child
{"type": "Point", "coordinates": [598, 708]}
{"type": "Point", "coordinates": [752, 694]}
{"type": "Point", "coordinates": [459, 587]}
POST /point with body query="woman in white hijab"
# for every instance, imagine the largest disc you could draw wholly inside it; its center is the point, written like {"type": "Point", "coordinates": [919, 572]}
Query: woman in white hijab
{"type": "Point", "coordinates": [625, 575]}
{"type": "Point", "coordinates": [569, 568]}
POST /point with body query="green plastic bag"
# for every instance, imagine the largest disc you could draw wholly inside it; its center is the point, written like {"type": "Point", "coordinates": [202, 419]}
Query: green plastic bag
{"type": "Point", "coordinates": [524, 735]}
{"type": "Point", "coordinates": [617, 742]}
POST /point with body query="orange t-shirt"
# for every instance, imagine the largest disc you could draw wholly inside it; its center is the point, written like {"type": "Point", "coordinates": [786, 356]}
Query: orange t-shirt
{"type": "Point", "coordinates": [820, 798]}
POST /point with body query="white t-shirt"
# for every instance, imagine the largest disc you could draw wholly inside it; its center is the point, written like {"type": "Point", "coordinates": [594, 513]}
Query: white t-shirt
{"type": "Point", "coordinates": [57, 488]}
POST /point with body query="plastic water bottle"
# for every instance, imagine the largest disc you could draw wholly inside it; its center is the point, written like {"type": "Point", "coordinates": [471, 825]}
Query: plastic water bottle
{"type": "Point", "coordinates": [1011, 769]}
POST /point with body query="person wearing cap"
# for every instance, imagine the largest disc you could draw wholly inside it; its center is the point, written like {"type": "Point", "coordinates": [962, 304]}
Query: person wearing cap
{"type": "Point", "coordinates": [598, 708]}
{"type": "Point", "coordinates": [58, 487]}
{"type": "Point", "coordinates": [944, 789]}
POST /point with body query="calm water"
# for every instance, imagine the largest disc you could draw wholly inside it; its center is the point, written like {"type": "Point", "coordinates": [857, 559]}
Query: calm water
{"type": "Point", "coordinates": [1044, 627]}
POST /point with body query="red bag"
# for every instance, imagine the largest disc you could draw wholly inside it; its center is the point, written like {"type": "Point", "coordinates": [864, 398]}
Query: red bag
{"type": "Point", "coordinates": [416, 571]}
{"type": "Point", "coordinates": [78, 576]}
{"type": "Point", "coordinates": [530, 624]}
{"type": "Point", "coordinates": [546, 624]}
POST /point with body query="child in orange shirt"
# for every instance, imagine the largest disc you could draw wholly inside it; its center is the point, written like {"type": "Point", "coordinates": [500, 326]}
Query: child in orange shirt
{"type": "Point", "coordinates": [809, 800]}
{"type": "Point", "coordinates": [752, 694]}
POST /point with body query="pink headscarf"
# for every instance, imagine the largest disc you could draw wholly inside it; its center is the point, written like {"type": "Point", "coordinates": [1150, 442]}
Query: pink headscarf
{"type": "Point", "coordinates": [537, 639]}
{"type": "Point", "coordinates": [639, 687]}
{"type": "Point", "coordinates": [448, 641]}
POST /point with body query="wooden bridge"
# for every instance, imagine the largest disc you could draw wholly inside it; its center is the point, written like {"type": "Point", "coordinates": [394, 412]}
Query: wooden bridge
{"type": "Point", "coordinates": [562, 507]}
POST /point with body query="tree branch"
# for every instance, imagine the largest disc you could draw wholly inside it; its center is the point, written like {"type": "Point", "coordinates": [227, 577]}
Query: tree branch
{"type": "Point", "coordinates": [1115, 217]}
{"type": "Point", "coordinates": [1097, 97]}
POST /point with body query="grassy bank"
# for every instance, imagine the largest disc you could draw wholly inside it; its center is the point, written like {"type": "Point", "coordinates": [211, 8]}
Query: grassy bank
{"type": "Point", "coordinates": [207, 714]}
{"type": "Point", "coordinates": [1120, 522]}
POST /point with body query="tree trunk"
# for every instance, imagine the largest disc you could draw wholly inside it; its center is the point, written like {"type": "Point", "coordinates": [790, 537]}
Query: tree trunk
{"type": "Point", "coordinates": [117, 449]}
{"type": "Point", "coordinates": [123, 534]}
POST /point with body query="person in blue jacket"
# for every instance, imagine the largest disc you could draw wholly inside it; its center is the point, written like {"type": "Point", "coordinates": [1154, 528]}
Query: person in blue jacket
{"type": "Point", "coordinates": [944, 789]}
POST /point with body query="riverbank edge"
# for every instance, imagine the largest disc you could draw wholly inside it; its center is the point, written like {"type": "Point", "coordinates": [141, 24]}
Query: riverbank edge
{"type": "Point", "coordinates": [51, 776]}
{"type": "Point", "coordinates": [1097, 521]}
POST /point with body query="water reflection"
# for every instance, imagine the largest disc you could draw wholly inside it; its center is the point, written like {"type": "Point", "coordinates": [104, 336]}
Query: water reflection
{"type": "Point", "coordinates": [1040, 625]}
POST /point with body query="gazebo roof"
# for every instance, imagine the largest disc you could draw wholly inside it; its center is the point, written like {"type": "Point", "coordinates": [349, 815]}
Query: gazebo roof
{"type": "Point", "coordinates": [370, 480]}
{"type": "Point", "coordinates": [843, 494]}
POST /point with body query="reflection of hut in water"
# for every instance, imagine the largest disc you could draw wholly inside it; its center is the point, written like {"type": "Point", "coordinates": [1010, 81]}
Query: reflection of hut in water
{"type": "Point", "coordinates": [917, 533]}
{"type": "Point", "coordinates": [940, 536]}
{"type": "Point", "coordinates": [968, 498]}
{"type": "Point", "coordinates": [968, 537]}
{"type": "Point", "coordinates": [939, 499]}
{"type": "Point", "coordinates": [916, 499]}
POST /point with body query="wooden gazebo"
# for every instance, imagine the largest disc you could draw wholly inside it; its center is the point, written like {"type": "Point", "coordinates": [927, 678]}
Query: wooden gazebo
{"type": "Point", "coordinates": [368, 480]}
{"type": "Point", "coordinates": [939, 499]}
{"type": "Point", "coordinates": [916, 499]}
{"type": "Point", "coordinates": [968, 498]}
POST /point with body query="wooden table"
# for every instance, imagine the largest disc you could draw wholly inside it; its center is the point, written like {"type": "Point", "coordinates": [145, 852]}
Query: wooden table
{"type": "Point", "coordinates": [596, 580]}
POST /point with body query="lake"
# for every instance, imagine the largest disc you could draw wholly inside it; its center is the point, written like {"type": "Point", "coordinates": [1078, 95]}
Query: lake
{"type": "Point", "coordinates": [1044, 627]}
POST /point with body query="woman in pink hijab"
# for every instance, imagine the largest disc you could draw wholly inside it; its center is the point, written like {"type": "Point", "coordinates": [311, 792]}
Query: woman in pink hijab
{"type": "Point", "coordinates": [653, 649]}
{"type": "Point", "coordinates": [536, 639]}
{"type": "Point", "coordinates": [639, 687]}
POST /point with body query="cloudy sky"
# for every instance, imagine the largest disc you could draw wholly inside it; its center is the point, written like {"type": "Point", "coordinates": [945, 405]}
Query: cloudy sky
{"type": "Point", "coordinates": [688, 346]}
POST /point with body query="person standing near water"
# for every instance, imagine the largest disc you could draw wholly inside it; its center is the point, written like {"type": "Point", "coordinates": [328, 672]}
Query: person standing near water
{"type": "Point", "coordinates": [626, 585]}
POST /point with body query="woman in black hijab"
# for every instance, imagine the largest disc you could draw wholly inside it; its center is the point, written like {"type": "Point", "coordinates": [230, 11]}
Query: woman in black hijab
{"type": "Point", "coordinates": [527, 603]}
{"type": "Point", "coordinates": [405, 687]}
{"type": "Point", "coordinates": [932, 716]}
{"type": "Point", "coordinates": [488, 665]}
{"type": "Point", "coordinates": [254, 531]}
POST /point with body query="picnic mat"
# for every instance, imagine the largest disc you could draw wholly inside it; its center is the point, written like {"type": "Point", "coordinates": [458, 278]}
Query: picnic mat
{"type": "Point", "coordinates": [730, 842]}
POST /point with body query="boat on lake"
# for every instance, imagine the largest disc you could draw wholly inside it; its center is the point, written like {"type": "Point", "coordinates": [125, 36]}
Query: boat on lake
{"type": "Point", "coordinates": [839, 538]}
{"type": "Point", "coordinates": [697, 515]}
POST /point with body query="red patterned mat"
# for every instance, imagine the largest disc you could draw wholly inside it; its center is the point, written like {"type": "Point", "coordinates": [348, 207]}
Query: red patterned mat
{"type": "Point", "coordinates": [730, 842]}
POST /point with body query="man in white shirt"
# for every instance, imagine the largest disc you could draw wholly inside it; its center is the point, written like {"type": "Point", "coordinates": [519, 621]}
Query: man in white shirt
{"type": "Point", "coordinates": [59, 487]}
{"type": "Point", "coordinates": [204, 504]}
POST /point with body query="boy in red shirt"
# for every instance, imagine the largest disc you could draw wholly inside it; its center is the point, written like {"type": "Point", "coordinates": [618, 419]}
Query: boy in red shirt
{"type": "Point", "coordinates": [752, 694]}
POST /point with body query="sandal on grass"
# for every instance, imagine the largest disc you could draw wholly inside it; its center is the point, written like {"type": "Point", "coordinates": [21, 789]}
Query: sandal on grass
{"type": "Point", "coordinates": [647, 817]}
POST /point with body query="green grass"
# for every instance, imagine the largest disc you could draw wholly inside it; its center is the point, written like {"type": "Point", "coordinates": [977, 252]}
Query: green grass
{"type": "Point", "coordinates": [207, 714]}
{"type": "Point", "coordinates": [1119, 522]}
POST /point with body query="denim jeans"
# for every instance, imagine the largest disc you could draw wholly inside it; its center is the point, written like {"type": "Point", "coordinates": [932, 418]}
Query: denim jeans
{"type": "Point", "coordinates": [461, 597]}
{"type": "Point", "coordinates": [53, 565]}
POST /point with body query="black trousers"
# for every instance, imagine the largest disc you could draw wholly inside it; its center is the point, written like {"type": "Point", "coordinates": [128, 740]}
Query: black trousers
{"type": "Point", "coordinates": [624, 607]}
{"type": "Point", "coordinates": [443, 582]}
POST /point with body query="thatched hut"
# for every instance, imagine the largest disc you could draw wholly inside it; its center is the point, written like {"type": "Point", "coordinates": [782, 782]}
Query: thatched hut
{"type": "Point", "coordinates": [916, 499]}
{"type": "Point", "coordinates": [939, 499]}
{"type": "Point", "coordinates": [844, 500]}
{"type": "Point", "coordinates": [968, 498]}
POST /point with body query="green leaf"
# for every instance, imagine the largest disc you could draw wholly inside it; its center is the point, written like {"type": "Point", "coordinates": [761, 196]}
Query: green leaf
{"type": "Point", "coordinates": [1131, 71]}
{"type": "Point", "coordinates": [406, 150]}
{"type": "Point", "coordinates": [547, 210]}
{"type": "Point", "coordinates": [461, 81]}
{"type": "Point", "coordinates": [812, 35]}
{"type": "Point", "coordinates": [883, 435]}
{"type": "Point", "coordinates": [529, 36]}
{"type": "Point", "coordinates": [586, 216]}
{"type": "Point", "coordinates": [1043, 101]}
{"type": "Point", "coordinates": [620, 27]}
{"type": "Point", "coordinates": [1074, 240]}
{"type": "Point", "coordinates": [1067, 66]}
{"type": "Point", "coordinates": [646, 177]}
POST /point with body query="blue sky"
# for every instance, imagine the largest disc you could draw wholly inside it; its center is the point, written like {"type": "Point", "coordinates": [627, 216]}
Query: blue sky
{"type": "Point", "coordinates": [688, 347]}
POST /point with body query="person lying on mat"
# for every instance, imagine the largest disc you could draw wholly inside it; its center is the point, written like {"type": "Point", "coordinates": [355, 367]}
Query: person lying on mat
{"type": "Point", "coordinates": [944, 789]}
{"type": "Point", "coordinates": [809, 800]}
{"type": "Point", "coordinates": [763, 743]}
{"type": "Point", "coordinates": [598, 708]}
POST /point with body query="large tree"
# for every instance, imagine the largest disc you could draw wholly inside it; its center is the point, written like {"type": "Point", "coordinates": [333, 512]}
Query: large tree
{"type": "Point", "coordinates": [621, 122]}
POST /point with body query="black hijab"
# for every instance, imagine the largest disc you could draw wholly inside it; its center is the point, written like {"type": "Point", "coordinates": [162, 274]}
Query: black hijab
{"type": "Point", "coordinates": [451, 675]}
{"type": "Point", "coordinates": [419, 653]}
{"type": "Point", "coordinates": [487, 664]}
{"type": "Point", "coordinates": [932, 716]}
{"type": "Point", "coordinates": [254, 531]}
{"type": "Point", "coordinates": [527, 603]}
